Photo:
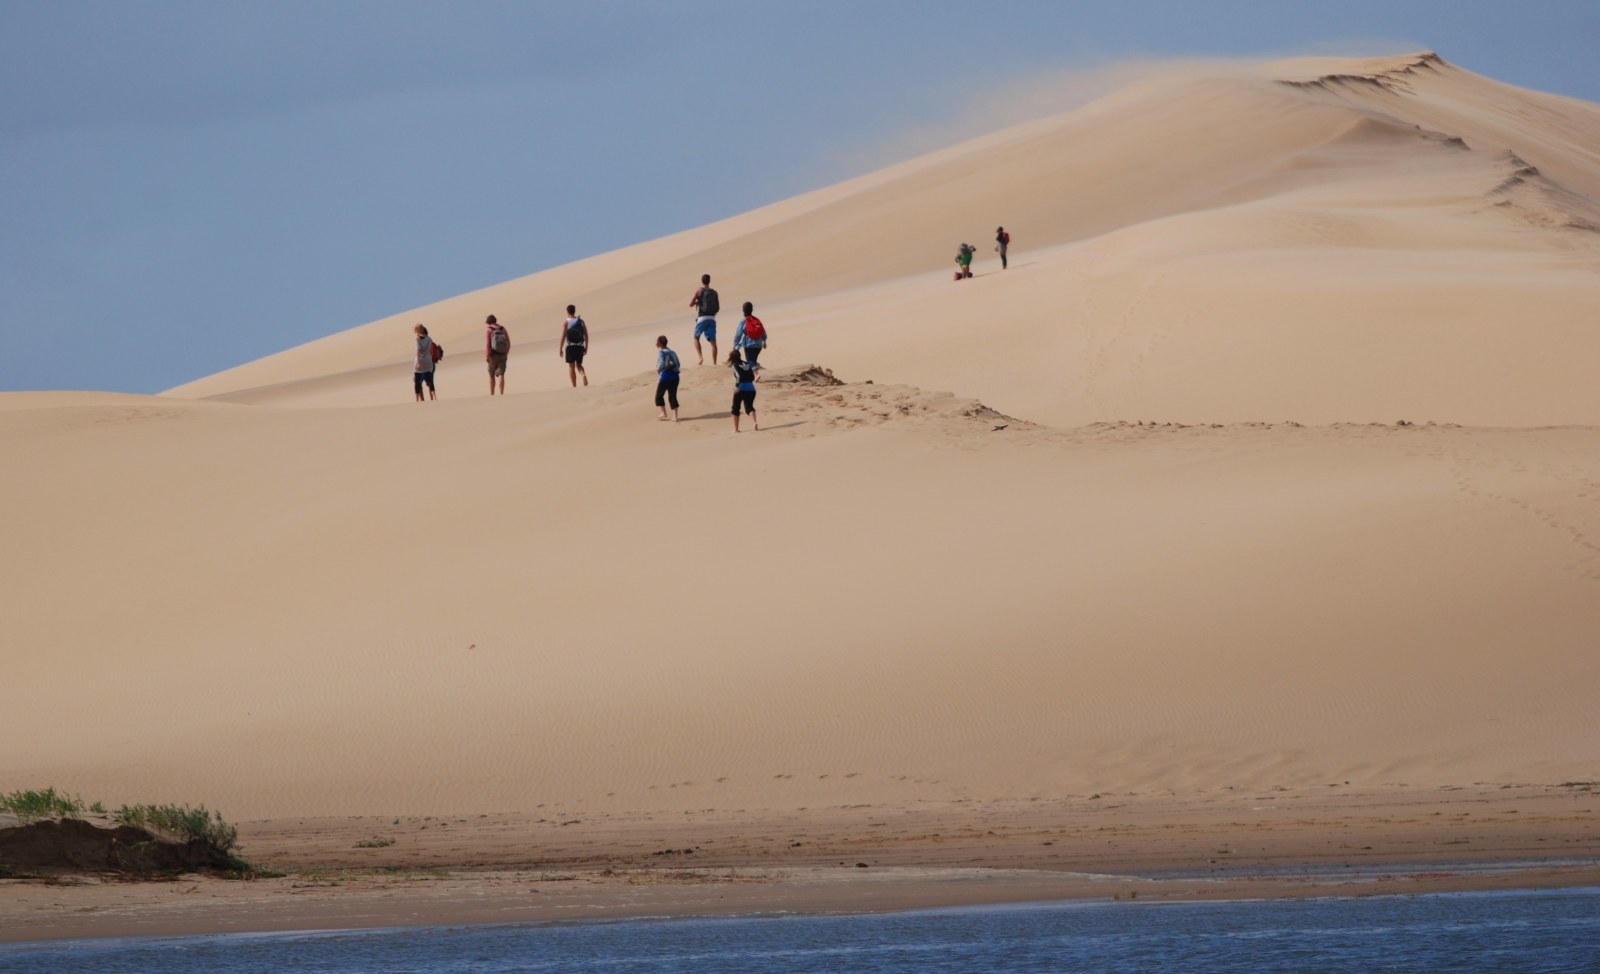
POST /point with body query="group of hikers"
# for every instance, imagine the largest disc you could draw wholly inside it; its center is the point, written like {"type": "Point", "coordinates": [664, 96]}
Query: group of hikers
{"type": "Point", "coordinates": [573, 344]}
{"type": "Point", "coordinates": [964, 253]}
{"type": "Point", "coordinates": [749, 339]}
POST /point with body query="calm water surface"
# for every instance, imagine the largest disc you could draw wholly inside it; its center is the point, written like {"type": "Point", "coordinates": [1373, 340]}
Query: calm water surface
{"type": "Point", "coordinates": [1513, 932]}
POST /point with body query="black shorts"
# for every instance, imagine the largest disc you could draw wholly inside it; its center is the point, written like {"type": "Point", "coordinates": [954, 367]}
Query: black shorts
{"type": "Point", "coordinates": [748, 398]}
{"type": "Point", "coordinates": [418, 378]}
{"type": "Point", "coordinates": [575, 354]}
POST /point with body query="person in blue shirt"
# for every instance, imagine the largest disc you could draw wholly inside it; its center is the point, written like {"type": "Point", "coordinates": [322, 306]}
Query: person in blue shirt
{"type": "Point", "coordinates": [745, 378]}
{"type": "Point", "coordinates": [667, 369]}
{"type": "Point", "coordinates": [751, 337]}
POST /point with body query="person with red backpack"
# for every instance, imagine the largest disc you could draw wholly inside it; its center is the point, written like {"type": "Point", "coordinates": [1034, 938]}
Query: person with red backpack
{"type": "Point", "coordinates": [1002, 240]}
{"type": "Point", "coordinates": [428, 355]}
{"type": "Point", "coordinates": [496, 347]}
{"type": "Point", "coordinates": [573, 345]}
{"type": "Point", "coordinates": [751, 337]}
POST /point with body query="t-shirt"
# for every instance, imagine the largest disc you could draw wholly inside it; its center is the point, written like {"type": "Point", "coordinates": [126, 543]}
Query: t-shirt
{"type": "Point", "coordinates": [667, 364]}
{"type": "Point", "coordinates": [744, 378]}
{"type": "Point", "coordinates": [424, 354]}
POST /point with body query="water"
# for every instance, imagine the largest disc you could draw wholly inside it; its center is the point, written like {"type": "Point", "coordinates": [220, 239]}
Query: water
{"type": "Point", "coordinates": [1500, 932]}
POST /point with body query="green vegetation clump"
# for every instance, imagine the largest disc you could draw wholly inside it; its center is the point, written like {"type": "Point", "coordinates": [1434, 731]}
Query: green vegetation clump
{"type": "Point", "coordinates": [183, 822]}
{"type": "Point", "coordinates": [32, 805]}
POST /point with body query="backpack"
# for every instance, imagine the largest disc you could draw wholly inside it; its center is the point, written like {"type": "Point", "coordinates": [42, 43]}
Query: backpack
{"type": "Point", "coordinates": [1005, 238]}
{"type": "Point", "coordinates": [709, 304]}
{"type": "Point", "coordinates": [577, 332]}
{"type": "Point", "coordinates": [754, 330]}
{"type": "Point", "coordinates": [499, 341]}
{"type": "Point", "coordinates": [436, 351]}
{"type": "Point", "coordinates": [670, 361]}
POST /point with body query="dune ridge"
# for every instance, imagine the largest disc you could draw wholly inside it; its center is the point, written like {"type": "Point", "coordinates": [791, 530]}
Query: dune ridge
{"type": "Point", "coordinates": [1271, 462]}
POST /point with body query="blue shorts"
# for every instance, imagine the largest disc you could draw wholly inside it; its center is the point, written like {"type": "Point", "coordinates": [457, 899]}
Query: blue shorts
{"type": "Point", "coordinates": [705, 326]}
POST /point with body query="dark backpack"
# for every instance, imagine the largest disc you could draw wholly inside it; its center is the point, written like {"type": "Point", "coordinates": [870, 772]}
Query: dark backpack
{"type": "Point", "coordinates": [577, 332]}
{"type": "Point", "coordinates": [499, 341]}
{"type": "Point", "coordinates": [437, 351]}
{"type": "Point", "coordinates": [709, 304]}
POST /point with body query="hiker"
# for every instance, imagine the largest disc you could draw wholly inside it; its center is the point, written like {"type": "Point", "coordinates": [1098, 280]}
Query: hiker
{"type": "Point", "coordinates": [573, 345]}
{"type": "Point", "coordinates": [706, 306]}
{"type": "Point", "coordinates": [496, 347]}
{"type": "Point", "coordinates": [964, 258]}
{"type": "Point", "coordinates": [428, 356]}
{"type": "Point", "coordinates": [667, 369]}
{"type": "Point", "coordinates": [1002, 240]}
{"type": "Point", "coordinates": [745, 377]}
{"type": "Point", "coordinates": [751, 337]}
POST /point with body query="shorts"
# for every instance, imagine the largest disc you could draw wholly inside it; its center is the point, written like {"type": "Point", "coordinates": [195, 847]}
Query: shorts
{"type": "Point", "coordinates": [706, 326]}
{"type": "Point", "coordinates": [749, 400]}
{"type": "Point", "coordinates": [575, 355]}
{"type": "Point", "coordinates": [497, 364]}
{"type": "Point", "coordinates": [418, 378]}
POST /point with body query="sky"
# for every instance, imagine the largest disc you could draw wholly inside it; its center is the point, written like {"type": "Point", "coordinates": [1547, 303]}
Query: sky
{"type": "Point", "coordinates": [187, 185]}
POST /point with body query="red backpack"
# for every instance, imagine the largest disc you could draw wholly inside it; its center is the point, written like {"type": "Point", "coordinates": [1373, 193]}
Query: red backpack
{"type": "Point", "coordinates": [437, 351]}
{"type": "Point", "coordinates": [754, 329]}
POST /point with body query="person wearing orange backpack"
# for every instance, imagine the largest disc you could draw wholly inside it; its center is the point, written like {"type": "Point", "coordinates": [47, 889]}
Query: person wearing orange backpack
{"type": "Point", "coordinates": [751, 337]}
{"type": "Point", "coordinates": [496, 348]}
{"type": "Point", "coordinates": [1002, 240]}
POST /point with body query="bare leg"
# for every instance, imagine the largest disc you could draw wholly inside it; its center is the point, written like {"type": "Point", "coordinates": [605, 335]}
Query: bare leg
{"type": "Point", "coordinates": [701, 355]}
{"type": "Point", "coordinates": [755, 422]}
{"type": "Point", "coordinates": [713, 353]}
{"type": "Point", "coordinates": [584, 374]}
{"type": "Point", "coordinates": [572, 373]}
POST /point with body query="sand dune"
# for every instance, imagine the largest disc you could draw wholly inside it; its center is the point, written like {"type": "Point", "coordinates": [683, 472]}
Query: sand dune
{"type": "Point", "coordinates": [988, 573]}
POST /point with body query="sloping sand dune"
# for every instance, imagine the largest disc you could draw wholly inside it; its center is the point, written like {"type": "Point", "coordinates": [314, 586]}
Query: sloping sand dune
{"type": "Point", "coordinates": [1020, 587]}
{"type": "Point", "coordinates": [1280, 242]}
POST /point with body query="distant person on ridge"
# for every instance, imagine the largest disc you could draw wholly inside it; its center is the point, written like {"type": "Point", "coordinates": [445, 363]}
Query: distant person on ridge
{"type": "Point", "coordinates": [667, 372]}
{"type": "Point", "coordinates": [751, 337]}
{"type": "Point", "coordinates": [573, 345]}
{"type": "Point", "coordinates": [964, 258]}
{"type": "Point", "coordinates": [745, 378]}
{"type": "Point", "coordinates": [706, 305]}
{"type": "Point", "coordinates": [496, 348]}
{"type": "Point", "coordinates": [427, 357]}
{"type": "Point", "coordinates": [1002, 240]}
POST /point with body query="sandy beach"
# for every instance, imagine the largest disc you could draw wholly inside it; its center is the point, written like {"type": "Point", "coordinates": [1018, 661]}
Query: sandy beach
{"type": "Point", "coordinates": [504, 868]}
{"type": "Point", "coordinates": [1249, 521]}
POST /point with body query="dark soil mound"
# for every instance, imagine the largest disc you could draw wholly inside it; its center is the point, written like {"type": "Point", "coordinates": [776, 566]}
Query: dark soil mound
{"type": "Point", "coordinates": [76, 846]}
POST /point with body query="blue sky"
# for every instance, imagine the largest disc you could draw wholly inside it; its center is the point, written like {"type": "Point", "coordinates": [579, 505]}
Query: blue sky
{"type": "Point", "coordinates": [192, 184]}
